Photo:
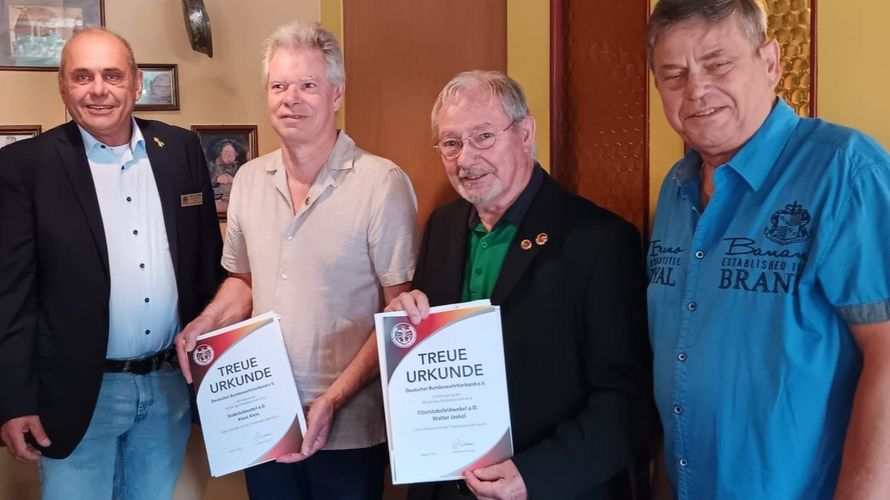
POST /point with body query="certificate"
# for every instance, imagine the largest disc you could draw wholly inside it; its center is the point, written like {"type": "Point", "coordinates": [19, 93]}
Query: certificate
{"type": "Point", "coordinates": [444, 391]}
{"type": "Point", "coordinates": [247, 398]}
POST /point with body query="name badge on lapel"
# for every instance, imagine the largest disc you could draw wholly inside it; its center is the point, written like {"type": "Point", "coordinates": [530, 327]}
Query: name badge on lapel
{"type": "Point", "coordinates": [191, 199]}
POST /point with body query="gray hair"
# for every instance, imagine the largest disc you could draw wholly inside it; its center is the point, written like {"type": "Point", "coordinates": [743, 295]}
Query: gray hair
{"type": "Point", "coordinates": [306, 35]}
{"type": "Point", "coordinates": [752, 16]}
{"type": "Point", "coordinates": [131, 58]}
{"type": "Point", "coordinates": [499, 85]}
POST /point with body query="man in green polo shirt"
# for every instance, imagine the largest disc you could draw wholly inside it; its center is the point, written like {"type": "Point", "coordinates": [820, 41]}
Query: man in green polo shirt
{"type": "Point", "coordinates": [568, 278]}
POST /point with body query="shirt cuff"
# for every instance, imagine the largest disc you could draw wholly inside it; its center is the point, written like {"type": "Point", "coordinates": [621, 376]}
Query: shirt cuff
{"type": "Point", "coordinates": [863, 314]}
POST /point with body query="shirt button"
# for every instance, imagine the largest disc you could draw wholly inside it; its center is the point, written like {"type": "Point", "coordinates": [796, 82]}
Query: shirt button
{"type": "Point", "coordinates": [678, 409]}
{"type": "Point", "coordinates": [478, 272]}
{"type": "Point", "coordinates": [135, 231]}
{"type": "Point", "coordinates": [147, 300]}
{"type": "Point", "coordinates": [129, 198]}
{"type": "Point", "coordinates": [284, 276]}
{"type": "Point", "coordinates": [142, 265]}
{"type": "Point", "coordinates": [699, 254]}
{"type": "Point", "coordinates": [290, 237]}
{"type": "Point", "coordinates": [484, 244]}
{"type": "Point", "coordinates": [683, 462]}
{"type": "Point", "coordinates": [147, 332]}
{"type": "Point", "coordinates": [692, 306]}
{"type": "Point", "coordinates": [681, 357]}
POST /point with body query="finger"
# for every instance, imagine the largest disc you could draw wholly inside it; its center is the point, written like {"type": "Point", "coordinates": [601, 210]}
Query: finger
{"type": "Point", "coordinates": [422, 303]}
{"type": "Point", "coordinates": [21, 450]}
{"type": "Point", "coordinates": [409, 305]}
{"type": "Point", "coordinates": [309, 437]}
{"type": "Point", "coordinates": [481, 489]}
{"type": "Point", "coordinates": [490, 473]}
{"type": "Point", "coordinates": [37, 432]}
{"type": "Point", "coordinates": [183, 357]}
{"type": "Point", "coordinates": [290, 458]}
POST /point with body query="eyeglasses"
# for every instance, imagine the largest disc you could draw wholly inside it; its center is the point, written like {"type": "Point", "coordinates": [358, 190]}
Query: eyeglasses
{"type": "Point", "coordinates": [450, 147]}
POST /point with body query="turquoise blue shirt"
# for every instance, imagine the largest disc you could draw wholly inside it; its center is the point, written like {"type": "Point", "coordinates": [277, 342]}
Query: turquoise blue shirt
{"type": "Point", "coordinates": [143, 314]}
{"type": "Point", "coordinates": [750, 303]}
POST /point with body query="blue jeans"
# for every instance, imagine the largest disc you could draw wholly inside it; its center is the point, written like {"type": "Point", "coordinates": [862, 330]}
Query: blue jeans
{"type": "Point", "coordinates": [134, 446]}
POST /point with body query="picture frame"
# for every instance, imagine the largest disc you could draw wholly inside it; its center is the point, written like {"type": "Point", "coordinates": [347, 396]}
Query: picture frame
{"type": "Point", "coordinates": [33, 32]}
{"type": "Point", "coordinates": [13, 133]}
{"type": "Point", "coordinates": [160, 88]}
{"type": "Point", "coordinates": [226, 148]}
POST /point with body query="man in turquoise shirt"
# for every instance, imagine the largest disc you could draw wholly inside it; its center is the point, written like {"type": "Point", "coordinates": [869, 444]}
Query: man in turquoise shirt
{"type": "Point", "coordinates": [769, 270]}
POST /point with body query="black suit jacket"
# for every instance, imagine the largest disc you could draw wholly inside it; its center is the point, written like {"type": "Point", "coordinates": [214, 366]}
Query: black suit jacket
{"type": "Point", "coordinates": [578, 363]}
{"type": "Point", "coordinates": [54, 275]}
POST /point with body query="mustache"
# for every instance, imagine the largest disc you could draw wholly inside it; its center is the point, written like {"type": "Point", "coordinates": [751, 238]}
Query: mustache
{"type": "Point", "coordinates": [472, 172]}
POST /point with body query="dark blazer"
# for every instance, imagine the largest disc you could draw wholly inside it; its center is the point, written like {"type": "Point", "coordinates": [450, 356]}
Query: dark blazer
{"type": "Point", "coordinates": [578, 363]}
{"type": "Point", "coordinates": [54, 275]}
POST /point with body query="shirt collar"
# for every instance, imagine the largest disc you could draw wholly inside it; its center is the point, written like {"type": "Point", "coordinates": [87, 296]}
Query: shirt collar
{"type": "Point", "coordinates": [340, 158]}
{"type": "Point", "coordinates": [137, 141]}
{"type": "Point", "coordinates": [754, 160]}
{"type": "Point", "coordinates": [517, 210]}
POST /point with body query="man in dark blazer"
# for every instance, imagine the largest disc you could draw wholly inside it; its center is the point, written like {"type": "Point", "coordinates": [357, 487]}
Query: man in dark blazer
{"type": "Point", "coordinates": [108, 242]}
{"type": "Point", "coordinates": [568, 278]}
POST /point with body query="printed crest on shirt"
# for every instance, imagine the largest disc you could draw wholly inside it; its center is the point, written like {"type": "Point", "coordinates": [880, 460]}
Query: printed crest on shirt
{"type": "Point", "coordinates": [789, 225]}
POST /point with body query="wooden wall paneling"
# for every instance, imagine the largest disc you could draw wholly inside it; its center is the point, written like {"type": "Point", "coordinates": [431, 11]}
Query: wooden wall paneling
{"type": "Point", "coordinates": [399, 54]}
{"type": "Point", "coordinates": [600, 103]}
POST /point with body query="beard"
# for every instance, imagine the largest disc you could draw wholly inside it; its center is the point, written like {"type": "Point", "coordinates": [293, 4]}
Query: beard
{"type": "Point", "coordinates": [482, 194]}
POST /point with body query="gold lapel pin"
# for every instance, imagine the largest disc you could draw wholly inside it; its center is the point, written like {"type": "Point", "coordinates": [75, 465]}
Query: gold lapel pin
{"type": "Point", "coordinates": [541, 239]}
{"type": "Point", "coordinates": [525, 244]}
{"type": "Point", "coordinates": [159, 142]}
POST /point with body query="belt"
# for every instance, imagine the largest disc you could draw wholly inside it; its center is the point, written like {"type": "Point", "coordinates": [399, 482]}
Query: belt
{"type": "Point", "coordinates": [141, 366]}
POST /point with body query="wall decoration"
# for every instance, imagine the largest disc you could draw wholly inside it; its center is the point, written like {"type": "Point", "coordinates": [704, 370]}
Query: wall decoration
{"type": "Point", "coordinates": [226, 148]}
{"type": "Point", "coordinates": [160, 88]}
{"type": "Point", "coordinates": [33, 32]}
{"type": "Point", "coordinates": [793, 24]}
{"type": "Point", "coordinates": [14, 133]}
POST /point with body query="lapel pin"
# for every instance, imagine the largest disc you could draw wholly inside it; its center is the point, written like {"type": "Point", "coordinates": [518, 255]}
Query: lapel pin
{"type": "Point", "coordinates": [541, 239]}
{"type": "Point", "coordinates": [526, 244]}
{"type": "Point", "coordinates": [159, 142]}
{"type": "Point", "coordinates": [307, 201]}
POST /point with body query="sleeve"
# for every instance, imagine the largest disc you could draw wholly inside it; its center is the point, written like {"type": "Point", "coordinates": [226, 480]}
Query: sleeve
{"type": "Point", "coordinates": [234, 254]}
{"type": "Point", "coordinates": [854, 269]}
{"type": "Point", "coordinates": [18, 282]}
{"type": "Point", "coordinates": [613, 430]}
{"type": "Point", "coordinates": [210, 274]}
{"type": "Point", "coordinates": [392, 232]}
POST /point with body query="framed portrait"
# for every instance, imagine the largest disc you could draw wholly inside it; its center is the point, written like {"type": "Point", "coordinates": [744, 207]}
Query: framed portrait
{"type": "Point", "coordinates": [226, 148]}
{"type": "Point", "coordinates": [33, 32]}
{"type": "Point", "coordinates": [160, 88]}
{"type": "Point", "coordinates": [14, 133]}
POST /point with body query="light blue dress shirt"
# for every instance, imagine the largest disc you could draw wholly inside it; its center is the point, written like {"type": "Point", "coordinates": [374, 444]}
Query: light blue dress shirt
{"type": "Point", "coordinates": [750, 302]}
{"type": "Point", "coordinates": [143, 314]}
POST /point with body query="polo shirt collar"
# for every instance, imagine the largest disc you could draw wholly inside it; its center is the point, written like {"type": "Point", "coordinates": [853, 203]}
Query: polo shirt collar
{"type": "Point", "coordinates": [755, 159]}
{"type": "Point", "coordinates": [341, 156]}
{"type": "Point", "coordinates": [137, 141]}
{"type": "Point", "coordinates": [517, 210]}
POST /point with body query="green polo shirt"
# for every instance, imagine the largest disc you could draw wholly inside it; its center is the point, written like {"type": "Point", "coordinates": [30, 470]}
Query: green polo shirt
{"type": "Point", "coordinates": [486, 250]}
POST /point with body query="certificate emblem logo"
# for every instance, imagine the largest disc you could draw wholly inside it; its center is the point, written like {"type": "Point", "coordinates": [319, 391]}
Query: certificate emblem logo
{"type": "Point", "coordinates": [403, 335]}
{"type": "Point", "coordinates": [789, 225]}
{"type": "Point", "coordinates": [203, 354]}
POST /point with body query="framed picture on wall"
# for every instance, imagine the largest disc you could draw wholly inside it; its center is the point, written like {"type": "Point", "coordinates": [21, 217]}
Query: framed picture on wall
{"type": "Point", "coordinates": [33, 32]}
{"type": "Point", "coordinates": [14, 133]}
{"type": "Point", "coordinates": [226, 148]}
{"type": "Point", "coordinates": [160, 88]}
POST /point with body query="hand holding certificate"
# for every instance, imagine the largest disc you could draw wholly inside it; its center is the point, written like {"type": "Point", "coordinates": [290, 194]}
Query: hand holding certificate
{"type": "Point", "coordinates": [444, 391]}
{"type": "Point", "coordinates": [247, 398]}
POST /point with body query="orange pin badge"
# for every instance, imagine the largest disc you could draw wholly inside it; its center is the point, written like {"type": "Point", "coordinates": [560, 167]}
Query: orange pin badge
{"type": "Point", "coordinates": [541, 239]}
{"type": "Point", "coordinates": [525, 244]}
